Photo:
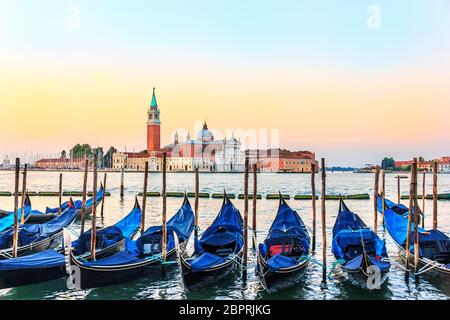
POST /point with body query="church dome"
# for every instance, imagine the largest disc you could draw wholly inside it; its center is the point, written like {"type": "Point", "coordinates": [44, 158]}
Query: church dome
{"type": "Point", "coordinates": [205, 135]}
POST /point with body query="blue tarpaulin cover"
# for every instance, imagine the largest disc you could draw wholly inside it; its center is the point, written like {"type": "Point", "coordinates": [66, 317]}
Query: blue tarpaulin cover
{"type": "Point", "coordinates": [44, 259]}
{"type": "Point", "coordinates": [206, 261]}
{"type": "Point", "coordinates": [280, 261]}
{"type": "Point", "coordinates": [110, 235]}
{"type": "Point", "coordinates": [399, 208]}
{"type": "Point", "coordinates": [29, 233]}
{"type": "Point", "coordinates": [78, 203]}
{"type": "Point", "coordinates": [182, 223]}
{"type": "Point", "coordinates": [351, 238]}
{"type": "Point", "coordinates": [397, 227]}
{"type": "Point", "coordinates": [226, 229]}
{"type": "Point", "coordinates": [8, 221]}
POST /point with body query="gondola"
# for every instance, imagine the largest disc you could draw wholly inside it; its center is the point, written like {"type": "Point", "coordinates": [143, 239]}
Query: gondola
{"type": "Point", "coordinates": [7, 218]}
{"type": "Point", "coordinates": [397, 208]}
{"type": "Point", "coordinates": [434, 245]}
{"type": "Point", "coordinates": [50, 264]}
{"type": "Point", "coordinates": [33, 238]}
{"type": "Point", "coordinates": [78, 205]}
{"type": "Point", "coordinates": [358, 250]}
{"type": "Point", "coordinates": [218, 251]}
{"type": "Point", "coordinates": [139, 255]}
{"type": "Point", "coordinates": [284, 256]}
{"type": "Point", "coordinates": [36, 216]}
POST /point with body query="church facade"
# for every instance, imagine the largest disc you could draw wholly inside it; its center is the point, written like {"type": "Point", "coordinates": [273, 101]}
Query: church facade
{"type": "Point", "coordinates": [183, 155]}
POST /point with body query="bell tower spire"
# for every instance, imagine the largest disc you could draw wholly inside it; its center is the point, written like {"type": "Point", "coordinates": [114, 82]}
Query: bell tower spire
{"type": "Point", "coordinates": [153, 125]}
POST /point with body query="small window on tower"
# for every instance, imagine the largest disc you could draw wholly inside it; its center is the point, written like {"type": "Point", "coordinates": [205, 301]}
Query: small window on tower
{"type": "Point", "coordinates": [150, 116]}
{"type": "Point", "coordinates": [156, 116]}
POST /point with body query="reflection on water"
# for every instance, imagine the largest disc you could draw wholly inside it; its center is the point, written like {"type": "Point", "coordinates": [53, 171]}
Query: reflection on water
{"type": "Point", "coordinates": [168, 285]}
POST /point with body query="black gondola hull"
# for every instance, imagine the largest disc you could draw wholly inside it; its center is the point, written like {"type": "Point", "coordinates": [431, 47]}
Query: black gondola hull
{"type": "Point", "coordinates": [21, 277]}
{"type": "Point", "coordinates": [94, 277]}
{"type": "Point", "coordinates": [198, 280]}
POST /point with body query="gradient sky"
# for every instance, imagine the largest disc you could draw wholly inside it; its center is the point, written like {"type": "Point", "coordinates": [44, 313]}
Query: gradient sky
{"type": "Point", "coordinates": [312, 69]}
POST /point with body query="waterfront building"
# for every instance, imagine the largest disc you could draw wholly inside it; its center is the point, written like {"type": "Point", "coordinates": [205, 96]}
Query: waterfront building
{"type": "Point", "coordinates": [230, 158]}
{"type": "Point", "coordinates": [444, 165]}
{"type": "Point", "coordinates": [60, 164]}
{"type": "Point", "coordinates": [281, 160]}
{"type": "Point", "coordinates": [6, 163]}
{"type": "Point", "coordinates": [136, 161]}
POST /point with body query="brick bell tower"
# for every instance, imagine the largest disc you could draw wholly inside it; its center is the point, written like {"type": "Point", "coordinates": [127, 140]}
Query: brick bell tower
{"type": "Point", "coordinates": [153, 126]}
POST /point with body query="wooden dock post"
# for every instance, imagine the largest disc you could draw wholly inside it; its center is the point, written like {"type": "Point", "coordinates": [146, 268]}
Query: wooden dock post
{"type": "Point", "coordinates": [144, 198]}
{"type": "Point", "coordinates": [122, 182]}
{"type": "Point", "coordinates": [164, 208]}
{"type": "Point", "coordinates": [245, 235]}
{"type": "Point", "coordinates": [324, 226]}
{"type": "Point", "coordinates": [410, 213]}
{"type": "Point", "coordinates": [24, 193]}
{"type": "Point", "coordinates": [416, 223]}
{"type": "Point", "coordinates": [423, 197]}
{"type": "Point", "coordinates": [60, 193]}
{"type": "Point", "coordinates": [314, 209]}
{"type": "Point", "coordinates": [16, 209]}
{"type": "Point", "coordinates": [383, 193]}
{"type": "Point", "coordinates": [399, 196]}
{"type": "Point", "coordinates": [94, 211]}
{"type": "Point", "coordinates": [103, 197]}
{"type": "Point", "coordinates": [254, 200]}
{"type": "Point", "coordinates": [375, 199]}
{"type": "Point", "coordinates": [435, 195]}
{"type": "Point", "coordinates": [83, 201]}
{"type": "Point", "coordinates": [197, 187]}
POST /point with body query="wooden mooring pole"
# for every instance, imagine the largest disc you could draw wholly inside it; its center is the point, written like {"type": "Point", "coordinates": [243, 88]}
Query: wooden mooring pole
{"type": "Point", "coordinates": [103, 196]}
{"type": "Point", "coordinates": [94, 211]}
{"type": "Point", "coordinates": [383, 193]}
{"type": "Point", "coordinates": [144, 198]}
{"type": "Point", "coordinates": [197, 190]}
{"type": "Point", "coordinates": [424, 175]}
{"type": "Point", "coordinates": [164, 208]}
{"type": "Point", "coordinates": [16, 209]}
{"type": "Point", "coordinates": [254, 200]}
{"type": "Point", "coordinates": [245, 234]}
{"type": "Point", "coordinates": [60, 193]}
{"type": "Point", "coordinates": [435, 195]}
{"type": "Point", "coordinates": [83, 201]}
{"type": "Point", "coordinates": [399, 196]}
{"type": "Point", "coordinates": [410, 213]}
{"type": "Point", "coordinates": [324, 226]}
{"type": "Point", "coordinates": [24, 194]}
{"type": "Point", "coordinates": [416, 222]}
{"type": "Point", "coordinates": [314, 206]}
{"type": "Point", "coordinates": [122, 182]}
{"type": "Point", "coordinates": [375, 199]}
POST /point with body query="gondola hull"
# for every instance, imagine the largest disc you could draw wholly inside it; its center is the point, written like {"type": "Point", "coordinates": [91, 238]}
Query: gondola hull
{"type": "Point", "coordinates": [102, 276]}
{"type": "Point", "coordinates": [438, 271]}
{"type": "Point", "coordinates": [362, 280]}
{"type": "Point", "coordinates": [198, 280]}
{"type": "Point", "coordinates": [21, 277]}
{"type": "Point", "coordinates": [281, 279]}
